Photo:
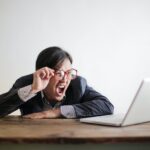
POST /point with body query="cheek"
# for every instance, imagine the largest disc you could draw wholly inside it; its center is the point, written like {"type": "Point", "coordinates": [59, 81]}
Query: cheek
{"type": "Point", "coordinates": [68, 82]}
{"type": "Point", "coordinates": [52, 83]}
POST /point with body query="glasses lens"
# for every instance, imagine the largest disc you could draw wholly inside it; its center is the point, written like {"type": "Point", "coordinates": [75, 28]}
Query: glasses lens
{"type": "Point", "coordinates": [73, 73]}
{"type": "Point", "coordinates": [60, 74]}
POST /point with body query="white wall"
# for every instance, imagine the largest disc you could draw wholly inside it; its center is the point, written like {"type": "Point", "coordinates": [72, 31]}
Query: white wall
{"type": "Point", "coordinates": [109, 41]}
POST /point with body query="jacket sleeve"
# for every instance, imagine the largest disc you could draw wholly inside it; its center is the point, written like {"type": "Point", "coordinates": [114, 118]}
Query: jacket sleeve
{"type": "Point", "coordinates": [93, 104]}
{"type": "Point", "coordinates": [9, 102]}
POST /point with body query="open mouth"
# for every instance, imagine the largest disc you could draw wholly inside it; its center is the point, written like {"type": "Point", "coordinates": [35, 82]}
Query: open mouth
{"type": "Point", "coordinates": [60, 90]}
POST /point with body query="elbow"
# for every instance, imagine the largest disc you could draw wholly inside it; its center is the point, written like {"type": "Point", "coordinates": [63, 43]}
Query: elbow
{"type": "Point", "coordinates": [110, 109]}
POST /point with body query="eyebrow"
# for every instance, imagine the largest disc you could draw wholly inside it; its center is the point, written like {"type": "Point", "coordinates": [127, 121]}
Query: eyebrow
{"type": "Point", "coordinates": [63, 70]}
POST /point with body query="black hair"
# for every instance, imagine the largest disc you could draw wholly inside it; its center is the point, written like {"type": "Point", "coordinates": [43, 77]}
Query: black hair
{"type": "Point", "coordinates": [51, 57]}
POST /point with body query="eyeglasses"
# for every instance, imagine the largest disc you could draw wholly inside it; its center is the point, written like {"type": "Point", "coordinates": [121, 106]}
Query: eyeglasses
{"type": "Point", "coordinates": [71, 74]}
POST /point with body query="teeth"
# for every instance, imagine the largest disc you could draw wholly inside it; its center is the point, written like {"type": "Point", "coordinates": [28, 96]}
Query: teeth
{"type": "Point", "coordinates": [61, 86]}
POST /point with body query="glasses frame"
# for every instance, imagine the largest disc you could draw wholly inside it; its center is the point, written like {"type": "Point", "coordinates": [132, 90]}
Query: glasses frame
{"type": "Point", "coordinates": [66, 73]}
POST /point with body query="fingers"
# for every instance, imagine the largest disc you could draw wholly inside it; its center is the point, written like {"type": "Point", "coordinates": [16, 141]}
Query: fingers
{"type": "Point", "coordinates": [34, 116]}
{"type": "Point", "coordinates": [41, 79]}
{"type": "Point", "coordinates": [45, 73]}
{"type": "Point", "coordinates": [49, 114]}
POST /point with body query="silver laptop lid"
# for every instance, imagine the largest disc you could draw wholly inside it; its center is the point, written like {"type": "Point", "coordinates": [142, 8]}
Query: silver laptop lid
{"type": "Point", "coordinates": [139, 110]}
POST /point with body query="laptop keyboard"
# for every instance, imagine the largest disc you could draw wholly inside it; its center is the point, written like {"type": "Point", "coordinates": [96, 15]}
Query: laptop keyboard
{"type": "Point", "coordinates": [115, 119]}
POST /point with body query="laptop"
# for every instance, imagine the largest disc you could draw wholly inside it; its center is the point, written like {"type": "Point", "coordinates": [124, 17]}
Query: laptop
{"type": "Point", "coordinates": [138, 111]}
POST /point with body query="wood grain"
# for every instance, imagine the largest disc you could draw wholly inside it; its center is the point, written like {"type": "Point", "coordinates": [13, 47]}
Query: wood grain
{"type": "Point", "coordinates": [18, 130]}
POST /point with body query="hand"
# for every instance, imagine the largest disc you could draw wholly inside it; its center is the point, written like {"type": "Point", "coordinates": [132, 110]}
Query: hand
{"type": "Point", "coordinates": [41, 79]}
{"type": "Point", "coordinates": [49, 114]}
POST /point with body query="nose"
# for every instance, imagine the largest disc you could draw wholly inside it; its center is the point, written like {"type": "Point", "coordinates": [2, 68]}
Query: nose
{"type": "Point", "coordinates": [65, 77]}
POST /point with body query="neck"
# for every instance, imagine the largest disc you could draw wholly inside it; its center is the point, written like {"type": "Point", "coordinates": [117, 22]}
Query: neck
{"type": "Point", "coordinates": [48, 96]}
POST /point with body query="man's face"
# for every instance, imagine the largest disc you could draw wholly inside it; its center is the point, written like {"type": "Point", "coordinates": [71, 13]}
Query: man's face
{"type": "Point", "coordinates": [56, 87]}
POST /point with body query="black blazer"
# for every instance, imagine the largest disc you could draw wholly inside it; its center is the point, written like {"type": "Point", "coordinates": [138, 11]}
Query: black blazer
{"type": "Point", "coordinates": [85, 100]}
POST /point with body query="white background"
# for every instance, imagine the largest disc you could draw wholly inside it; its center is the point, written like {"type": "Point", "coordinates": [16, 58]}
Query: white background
{"type": "Point", "coordinates": [108, 39]}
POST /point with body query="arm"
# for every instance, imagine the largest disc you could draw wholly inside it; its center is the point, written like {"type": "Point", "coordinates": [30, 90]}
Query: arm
{"type": "Point", "coordinates": [83, 102]}
{"type": "Point", "coordinates": [12, 100]}
{"type": "Point", "coordinates": [9, 102]}
{"type": "Point", "coordinates": [93, 104]}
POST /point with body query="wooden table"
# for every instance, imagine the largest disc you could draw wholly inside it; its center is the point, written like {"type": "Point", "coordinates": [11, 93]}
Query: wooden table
{"type": "Point", "coordinates": [53, 132]}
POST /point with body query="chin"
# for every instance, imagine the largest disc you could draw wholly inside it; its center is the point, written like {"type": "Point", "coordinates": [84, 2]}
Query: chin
{"type": "Point", "coordinates": [59, 98]}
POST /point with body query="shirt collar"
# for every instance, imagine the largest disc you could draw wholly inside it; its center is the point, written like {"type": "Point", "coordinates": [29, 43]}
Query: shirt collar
{"type": "Point", "coordinates": [48, 103]}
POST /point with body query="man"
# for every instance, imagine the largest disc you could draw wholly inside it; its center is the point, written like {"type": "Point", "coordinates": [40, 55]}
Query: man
{"type": "Point", "coordinates": [53, 91]}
